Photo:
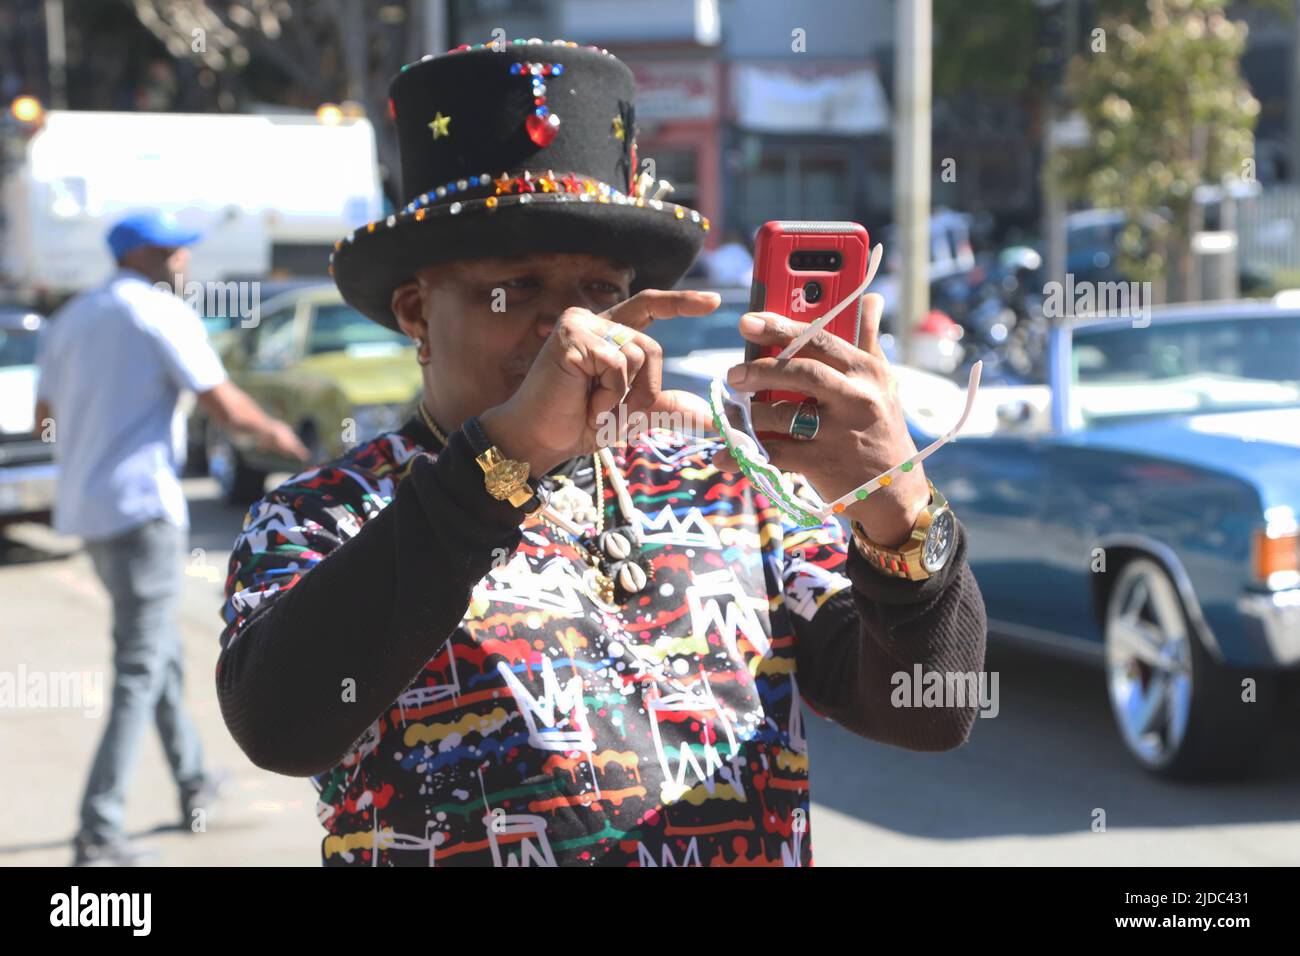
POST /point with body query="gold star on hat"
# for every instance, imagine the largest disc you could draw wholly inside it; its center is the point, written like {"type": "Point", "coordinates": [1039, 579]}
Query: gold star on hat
{"type": "Point", "coordinates": [439, 125]}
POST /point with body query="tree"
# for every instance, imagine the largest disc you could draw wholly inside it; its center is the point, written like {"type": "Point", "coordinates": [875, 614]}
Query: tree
{"type": "Point", "coordinates": [990, 49]}
{"type": "Point", "coordinates": [1167, 110]}
{"type": "Point", "coordinates": [333, 50]}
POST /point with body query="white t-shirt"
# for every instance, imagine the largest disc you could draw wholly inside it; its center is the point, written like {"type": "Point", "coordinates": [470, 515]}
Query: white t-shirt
{"type": "Point", "coordinates": [112, 364]}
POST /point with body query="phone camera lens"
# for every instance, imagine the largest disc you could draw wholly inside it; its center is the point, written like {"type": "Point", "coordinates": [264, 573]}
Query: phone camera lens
{"type": "Point", "coordinates": [812, 291]}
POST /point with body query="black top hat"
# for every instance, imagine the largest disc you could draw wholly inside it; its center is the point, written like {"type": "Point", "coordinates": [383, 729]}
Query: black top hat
{"type": "Point", "coordinates": [509, 148]}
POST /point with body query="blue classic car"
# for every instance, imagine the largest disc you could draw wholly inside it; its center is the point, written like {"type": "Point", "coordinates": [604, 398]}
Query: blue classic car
{"type": "Point", "coordinates": [1142, 509]}
{"type": "Point", "coordinates": [1138, 511]}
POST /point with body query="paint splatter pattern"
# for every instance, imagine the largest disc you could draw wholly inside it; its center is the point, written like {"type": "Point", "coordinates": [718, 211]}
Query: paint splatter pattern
{"type": "Point", "coordinates": [553, 730]}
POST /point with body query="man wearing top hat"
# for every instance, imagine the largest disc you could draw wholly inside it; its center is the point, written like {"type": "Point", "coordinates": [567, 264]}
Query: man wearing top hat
{"type": "Point", "coordinates": [488, 641]}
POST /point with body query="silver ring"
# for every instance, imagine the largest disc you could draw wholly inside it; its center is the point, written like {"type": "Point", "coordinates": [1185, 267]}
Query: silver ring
{"type": "Point", "coordinates": [620, 335]}
{"type": "Point", "coordinates": [806, 422]}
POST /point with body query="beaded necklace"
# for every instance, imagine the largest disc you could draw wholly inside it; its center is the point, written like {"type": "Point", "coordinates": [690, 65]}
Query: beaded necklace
{"type": "Point", "coordinates": [600, 581]}
{"type": "Point", "coordinates": [614, 571]}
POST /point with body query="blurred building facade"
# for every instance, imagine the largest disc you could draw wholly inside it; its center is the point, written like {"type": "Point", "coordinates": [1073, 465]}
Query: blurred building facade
{"type": "Point", "coordinates": [753, 109]}
{"type": "Point", "coordinates": [763, 109]}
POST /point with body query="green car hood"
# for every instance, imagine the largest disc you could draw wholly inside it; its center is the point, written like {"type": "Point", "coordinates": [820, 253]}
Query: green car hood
{"type": "Point", "coordinates": [378, 379]}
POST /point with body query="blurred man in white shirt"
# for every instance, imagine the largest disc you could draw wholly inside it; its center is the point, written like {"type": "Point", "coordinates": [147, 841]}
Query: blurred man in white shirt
{"type": "Point", "coordinates": [113, 365]}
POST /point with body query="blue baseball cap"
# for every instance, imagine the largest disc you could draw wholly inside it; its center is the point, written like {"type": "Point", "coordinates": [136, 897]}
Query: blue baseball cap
{"type": "Point", "coordinates": [152, 228]}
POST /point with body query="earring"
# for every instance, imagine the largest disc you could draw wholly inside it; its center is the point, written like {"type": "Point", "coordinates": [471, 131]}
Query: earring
{"type": "Point", "coordinates": [420, 355]}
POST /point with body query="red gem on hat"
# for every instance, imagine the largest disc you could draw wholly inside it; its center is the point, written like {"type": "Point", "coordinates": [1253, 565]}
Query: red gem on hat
{"type": "Point", "coordinates": [542, 130]}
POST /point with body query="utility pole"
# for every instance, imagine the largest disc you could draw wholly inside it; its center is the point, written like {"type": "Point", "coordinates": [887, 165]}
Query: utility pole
{"type": "Point", "coordinates": [435, 26]}
{"type": "Point", "coordinates": [1293, 99]}
{"type": "Point", "coordinates": [1055, 61]}
{"type": "Point", "coordinates": [912, 165]}
{"type": "Point", "coordinates": [56, 52]}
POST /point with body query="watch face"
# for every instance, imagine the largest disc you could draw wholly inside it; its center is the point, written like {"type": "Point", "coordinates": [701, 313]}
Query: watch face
{"type": "Point", "coordinates": [938, 541]}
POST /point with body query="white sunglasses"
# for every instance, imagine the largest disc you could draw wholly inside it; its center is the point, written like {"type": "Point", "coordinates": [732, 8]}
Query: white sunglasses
{"type": "Point", "coordinates": [731, 417]}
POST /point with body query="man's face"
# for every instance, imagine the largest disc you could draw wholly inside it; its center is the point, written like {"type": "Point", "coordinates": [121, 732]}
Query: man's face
{"type": "Point", "coordinates": [487, 319]}
{"type": "Point", "coordinates": [159, 263]}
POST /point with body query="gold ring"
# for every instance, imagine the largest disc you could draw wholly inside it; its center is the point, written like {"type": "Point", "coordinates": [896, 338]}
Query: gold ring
{"type": "Point", "coordinates": [620, 335]}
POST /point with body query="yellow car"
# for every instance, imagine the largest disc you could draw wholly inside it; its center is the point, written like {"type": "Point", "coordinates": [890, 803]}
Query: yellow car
{"type": "Point", "coordinates": [315, 362]}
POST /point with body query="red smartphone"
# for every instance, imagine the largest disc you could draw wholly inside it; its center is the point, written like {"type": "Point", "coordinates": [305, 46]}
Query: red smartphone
{"type": "Point", "coordinates": [801, 270]}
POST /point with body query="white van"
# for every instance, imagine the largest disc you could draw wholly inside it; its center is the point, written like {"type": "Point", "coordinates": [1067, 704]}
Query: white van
{"type": "Point", "coordinates": [268, 191]}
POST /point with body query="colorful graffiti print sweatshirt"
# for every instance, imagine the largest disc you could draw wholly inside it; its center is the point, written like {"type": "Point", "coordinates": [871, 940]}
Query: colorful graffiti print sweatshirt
{"type": "Point", "coordinates": [457, 696]}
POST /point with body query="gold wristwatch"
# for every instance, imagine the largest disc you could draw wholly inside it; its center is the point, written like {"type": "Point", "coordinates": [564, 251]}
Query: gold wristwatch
{"type": "Point", "coordinates": [505, 478]}
{"type": "Point", "coordinates": [926, 550]}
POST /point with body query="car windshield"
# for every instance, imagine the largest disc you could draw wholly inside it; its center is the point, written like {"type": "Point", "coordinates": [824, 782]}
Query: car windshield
{"type": "Point", "coordinates": [17, 347]}
{"type": "Point", "coordinates": [1208, 365]}
{"type": "Point", "coordinates": [341, 328]}
{"type": "Point", "coordinates": [1102, 235]}
{"type": "Point", "coordinates": [685, 334]}
{"type": "Point", "coordinates": [217, 323]}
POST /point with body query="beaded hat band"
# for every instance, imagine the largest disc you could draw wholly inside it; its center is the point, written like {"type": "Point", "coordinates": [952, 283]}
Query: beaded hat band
{"type": "Point", "coordinates": [511, 148]}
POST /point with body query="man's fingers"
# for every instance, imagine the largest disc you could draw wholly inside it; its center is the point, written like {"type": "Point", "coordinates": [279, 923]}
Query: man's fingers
{"type": "Point", "coordinates": [824, 346]}
{"type": "Point", "coordinates": [295, 450]}
{"type": "Point", "coordinates": [873, 307]}
{"type": "Point", "coordinates": [675, 411]}
{"type": "Point", "coordinates": [772, 416]}
{"type": "Point", "coordinates": [723, 461]}
{"type": "Point", "coordinates": [683, 411]}
{"type": "Point", "coordinates": [650, 304]}
{"type": "Point", "coordinates": [633, 375]}
{"type": "Point", "coordinates": [613, 375]}
{"type": "Point", "coordinates": [636, 360]}
{"type": "Point", "coordinates": [808, 376]}
{"type": "Point", "coordinates": [605, 367]}
{"type": "Point", "coordinates": [647, 380]}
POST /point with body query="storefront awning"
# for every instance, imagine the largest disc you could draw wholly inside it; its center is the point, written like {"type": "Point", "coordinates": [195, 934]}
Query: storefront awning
{"type": "Point", "coordinates": [814, 98]}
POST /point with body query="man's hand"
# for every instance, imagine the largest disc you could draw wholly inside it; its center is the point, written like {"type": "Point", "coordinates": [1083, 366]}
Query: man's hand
{"type": "Point", "coordinates": [233, 408]}
{"type": "Point", "coordinates": [278, 437]}
{"type": "Point", "coordinates": [577, 378]}
{"type": "Point", "coordinates": [862, 431]}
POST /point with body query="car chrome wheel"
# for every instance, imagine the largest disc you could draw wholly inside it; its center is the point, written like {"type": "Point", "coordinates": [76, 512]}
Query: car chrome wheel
{"type": "Point", "coordinates": [1149, 662]}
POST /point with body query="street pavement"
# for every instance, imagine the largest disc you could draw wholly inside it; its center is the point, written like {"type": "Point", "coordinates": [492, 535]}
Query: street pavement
{"type": "Point", "coordinates": [1028, 789]}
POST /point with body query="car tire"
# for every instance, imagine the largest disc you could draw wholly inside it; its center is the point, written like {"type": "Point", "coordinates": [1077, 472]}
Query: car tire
{"type": "Point", "coordinates": [196, 454]}
{"type": "Point", "coordinates": [237, 482]}
{"type": "Point", "coordinates": [1179, 712]}
{"type": "Point", "coordinates": [309, 435]}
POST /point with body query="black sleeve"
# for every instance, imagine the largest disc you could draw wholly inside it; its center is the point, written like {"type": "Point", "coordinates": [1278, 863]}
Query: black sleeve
{"type": "Point", "coordinates": [374, 609]}
{"type": "Point", "coordinates": [849, 654]}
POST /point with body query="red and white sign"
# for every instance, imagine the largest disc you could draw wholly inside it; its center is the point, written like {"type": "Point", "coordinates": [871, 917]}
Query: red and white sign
{"type": "Point", "coordinates": [675, 90]}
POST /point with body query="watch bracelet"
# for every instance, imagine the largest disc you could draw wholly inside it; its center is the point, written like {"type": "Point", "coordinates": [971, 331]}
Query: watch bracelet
{"type": "Point", "coordinates": [480, 443]}
{"type": "Point", "coordinates": [478, 439]}
{"type": "Point", "coordinates": [894, 561]}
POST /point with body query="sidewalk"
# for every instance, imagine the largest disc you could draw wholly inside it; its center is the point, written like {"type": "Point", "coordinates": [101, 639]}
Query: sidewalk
{"type": "Point", "coordinates": [56, 618]}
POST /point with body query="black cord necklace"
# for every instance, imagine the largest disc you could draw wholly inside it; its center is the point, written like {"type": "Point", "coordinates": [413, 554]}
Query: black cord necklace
{"type": "Point", "coordinates": [617, 569]}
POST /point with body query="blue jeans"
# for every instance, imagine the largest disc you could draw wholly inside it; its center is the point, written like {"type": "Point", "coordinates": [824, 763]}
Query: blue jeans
{"type": "Point", "coordinates": [141, 568]}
